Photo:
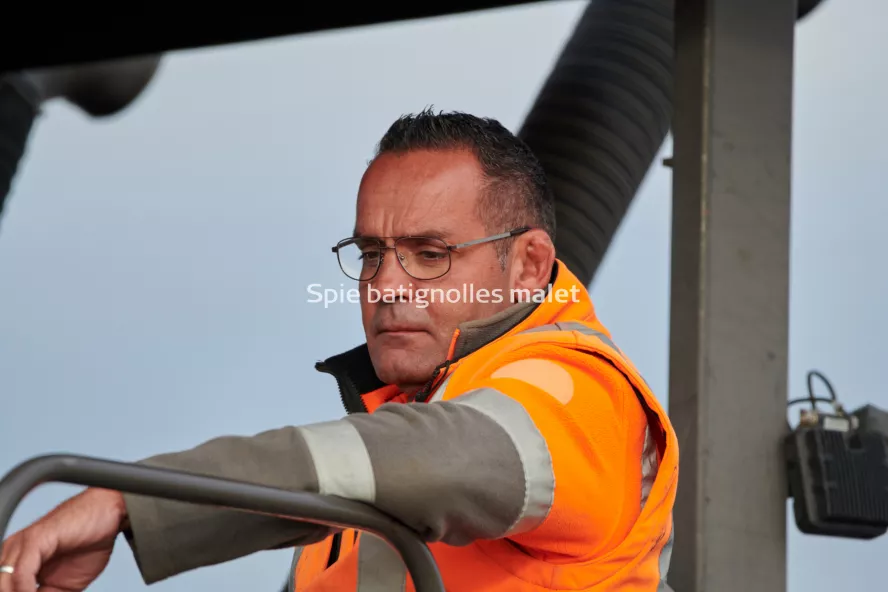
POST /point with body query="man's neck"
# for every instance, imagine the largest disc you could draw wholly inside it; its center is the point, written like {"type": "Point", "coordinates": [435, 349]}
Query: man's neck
{"type": "Point", "coordinates": [410, 389]}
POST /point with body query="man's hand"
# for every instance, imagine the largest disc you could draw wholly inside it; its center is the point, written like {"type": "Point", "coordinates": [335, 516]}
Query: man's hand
{"type": "Point", "coordinates": [68, 548]}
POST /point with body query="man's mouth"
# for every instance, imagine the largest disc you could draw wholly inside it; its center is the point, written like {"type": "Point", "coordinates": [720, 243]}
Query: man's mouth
{"type": "Point", "coordinates": [399, 329]}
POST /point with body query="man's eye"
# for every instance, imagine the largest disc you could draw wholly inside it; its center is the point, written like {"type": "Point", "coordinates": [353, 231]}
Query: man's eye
{"type": "Point", "coordinates": [432, 255]}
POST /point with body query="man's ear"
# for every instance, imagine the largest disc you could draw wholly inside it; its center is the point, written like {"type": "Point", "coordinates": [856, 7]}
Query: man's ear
{"type": "Point", "coordinates": [533, 256]}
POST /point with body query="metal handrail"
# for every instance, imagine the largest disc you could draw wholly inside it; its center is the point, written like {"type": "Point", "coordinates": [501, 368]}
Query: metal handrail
{"type": "Point", "coordinates": [186, 487]}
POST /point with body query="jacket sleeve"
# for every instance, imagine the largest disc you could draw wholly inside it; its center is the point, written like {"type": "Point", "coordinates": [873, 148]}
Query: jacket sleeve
{"type": "Point", "coordinates": [506, 459]}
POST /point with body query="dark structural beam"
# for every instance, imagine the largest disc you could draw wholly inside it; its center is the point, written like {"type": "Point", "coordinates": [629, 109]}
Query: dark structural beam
{"type": "Point", "coordinates": [89, 36]}
{"type": "Point", "coordinates": [730, 291]}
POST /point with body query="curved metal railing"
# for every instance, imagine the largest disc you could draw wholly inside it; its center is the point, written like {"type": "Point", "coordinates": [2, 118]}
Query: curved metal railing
{"type": "Point", "coordinates": [186, 487]}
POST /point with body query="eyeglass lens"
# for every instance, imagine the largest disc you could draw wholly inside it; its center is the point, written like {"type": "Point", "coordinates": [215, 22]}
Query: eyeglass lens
{"type": "Point", "coordinates": [422, 258]}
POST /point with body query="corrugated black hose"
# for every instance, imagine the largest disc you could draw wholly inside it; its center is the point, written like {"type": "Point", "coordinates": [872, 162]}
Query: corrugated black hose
{"type": "Point", "coordinates": [600, 120]}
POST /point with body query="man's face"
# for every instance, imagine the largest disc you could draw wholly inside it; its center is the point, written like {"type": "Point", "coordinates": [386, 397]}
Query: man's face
{"type": "Point", "coordinates": [424, 193]}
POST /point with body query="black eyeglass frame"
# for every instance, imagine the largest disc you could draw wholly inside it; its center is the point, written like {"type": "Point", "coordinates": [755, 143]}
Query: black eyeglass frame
{"type": "Point", "coordinates": [450, 248]}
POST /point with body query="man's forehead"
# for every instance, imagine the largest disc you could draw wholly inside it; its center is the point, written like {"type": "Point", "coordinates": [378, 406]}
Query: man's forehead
{"type": "Point", "coordinates": [419, 194]}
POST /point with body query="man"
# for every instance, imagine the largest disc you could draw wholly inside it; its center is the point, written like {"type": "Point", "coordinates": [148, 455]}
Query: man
{"type": "Point", "coordinates": [509, 432]}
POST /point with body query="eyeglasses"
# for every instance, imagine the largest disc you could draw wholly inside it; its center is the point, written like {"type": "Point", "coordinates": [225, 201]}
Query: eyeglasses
{"type": "Point", "coordinates": [422, 257]}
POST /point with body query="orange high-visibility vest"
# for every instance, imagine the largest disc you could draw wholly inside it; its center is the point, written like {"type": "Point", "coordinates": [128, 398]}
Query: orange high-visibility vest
{"type": "Point", "coordinates": [635, 558]}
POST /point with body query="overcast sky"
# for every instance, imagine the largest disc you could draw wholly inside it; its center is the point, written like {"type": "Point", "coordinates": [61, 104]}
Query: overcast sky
{"type": "Point", "coordinates": [154, 267]}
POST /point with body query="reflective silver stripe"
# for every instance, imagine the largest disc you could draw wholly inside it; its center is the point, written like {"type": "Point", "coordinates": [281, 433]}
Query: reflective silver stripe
{"type": "Point", "coordinates": [649, 460]}
{"type": "Point", "coordinates": [341, 460]}
{"type": "Point", "coordinates": [539, 476]}
{"type": "Point", "coordinates": [291, 578]}
{"type": "Point", "coordinates": [380, 568]}
{"type": "Point", "coordinates": [579, 327]}
{"type": "Point", "coordinates": [665, 560]}
{"type": "Point", "coordinates": [439, 392]}
{"type": "Point", "coordinates": [649, 464]}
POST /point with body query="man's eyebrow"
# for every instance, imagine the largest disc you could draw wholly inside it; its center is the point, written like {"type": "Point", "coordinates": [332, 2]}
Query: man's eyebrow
{"type": "Point", "coordinates": [433, 233]}
{"type": "Point", "coordinates": [357, 234]}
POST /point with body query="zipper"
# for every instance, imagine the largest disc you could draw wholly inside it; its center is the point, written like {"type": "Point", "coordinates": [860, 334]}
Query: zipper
{"type": "Point", "coordinates": [427, 390]}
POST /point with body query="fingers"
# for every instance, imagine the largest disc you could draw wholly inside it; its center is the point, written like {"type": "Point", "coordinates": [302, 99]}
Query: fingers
{"type": "Point", "coordinates": [22, 555]}
{"type": "Point", "coordinates": [66, 549]}
{"type": "Point", "coordinates": [14, 556]}
{"type": "Point", "coordinates": [8, 560]}
{"type": "Point", "coordinates": [27, 564]}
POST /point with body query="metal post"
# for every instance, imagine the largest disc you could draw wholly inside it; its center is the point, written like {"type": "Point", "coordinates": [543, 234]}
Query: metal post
{"type": "Point", "coordinates": [730, 291]}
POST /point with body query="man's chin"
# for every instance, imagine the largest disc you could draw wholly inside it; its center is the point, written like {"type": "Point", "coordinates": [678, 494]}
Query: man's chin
{"type": "Point", "coordinates": [401, 368]}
